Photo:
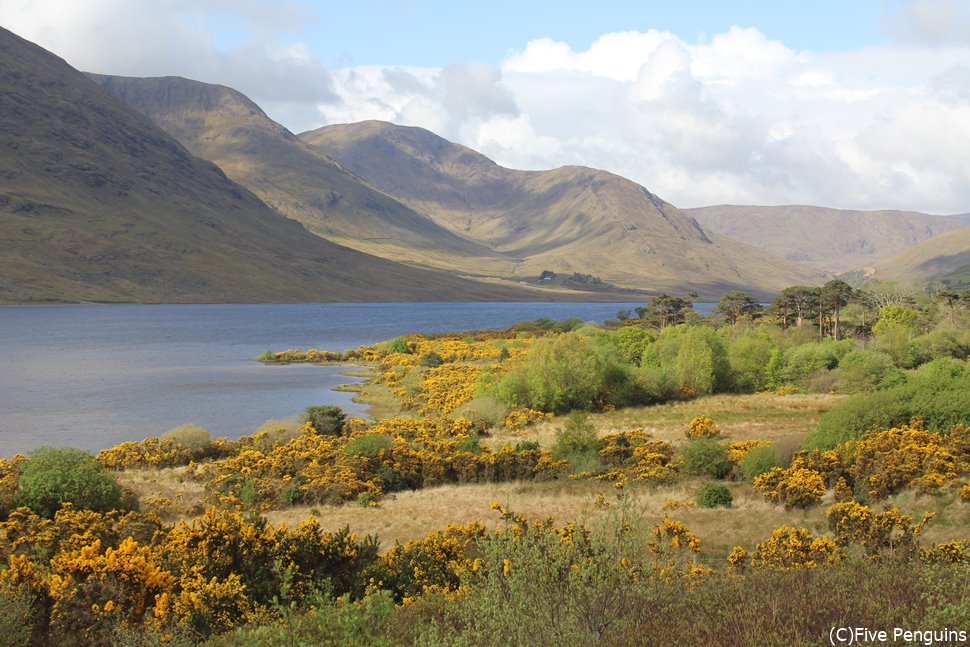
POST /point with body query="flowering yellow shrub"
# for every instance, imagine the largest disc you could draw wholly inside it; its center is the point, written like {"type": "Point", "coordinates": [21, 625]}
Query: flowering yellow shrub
{"type": "Point", "coordinates": [795, 487]}
{"type": "Point", "coordinates": [828, 463]}
{"type": "Point", "coordinates": [949, 552]}
{"type": "Point", "coordinates": [887, 533]}
{"type": "Point", "coordinates": [9, 473]}
{"type": "Point", "coordinates": [703, 427]}
{"type": "Point", "coordinates": [738, 450]}
{"type": "Point", "coordinates": [888, 461]}
{"type": "Point", "coordinates": [445, 388]}
{"type": "Point", "coordinates": [636, 455]}
{"type": "Point", "coordinates": [436, 562]}
{"type": "Point", "coordinates": [90, 585]}
{"type": "Point", "coordinates": [791, 548]}
{"type": "Point", "coordinates": [518, 419]}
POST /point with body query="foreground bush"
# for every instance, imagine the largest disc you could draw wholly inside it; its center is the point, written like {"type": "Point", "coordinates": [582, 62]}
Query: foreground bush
{"type": "Point", "coordinates": [54, 476]}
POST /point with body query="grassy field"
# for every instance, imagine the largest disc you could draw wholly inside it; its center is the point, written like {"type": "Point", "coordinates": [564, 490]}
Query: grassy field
{"type": "Point", "coordinates": [413, 514]}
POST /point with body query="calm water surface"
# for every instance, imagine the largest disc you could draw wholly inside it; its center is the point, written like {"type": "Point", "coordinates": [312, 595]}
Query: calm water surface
{"type": "Point", "coordinates": [94, 376]}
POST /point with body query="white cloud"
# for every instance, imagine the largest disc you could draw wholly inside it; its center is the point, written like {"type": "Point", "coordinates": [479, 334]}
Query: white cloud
{"type": "Point", "coordinates": [179, 38]}
{"type": "Point", "coordinates": [739, 119]}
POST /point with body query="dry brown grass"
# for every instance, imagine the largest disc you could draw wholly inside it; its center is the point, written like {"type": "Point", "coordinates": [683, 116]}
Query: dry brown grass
{"type": "Point", "coordinates": [169, 491]}
{"type": "Point", "coordinates": [784, 419]}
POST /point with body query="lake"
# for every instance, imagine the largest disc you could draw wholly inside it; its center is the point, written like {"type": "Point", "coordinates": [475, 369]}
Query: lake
{"type": "Point", "coordinates": [92, 376]}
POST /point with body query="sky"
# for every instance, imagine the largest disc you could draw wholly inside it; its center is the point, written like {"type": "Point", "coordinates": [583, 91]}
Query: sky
{"type": "Point", "coordinates": [855, 104]}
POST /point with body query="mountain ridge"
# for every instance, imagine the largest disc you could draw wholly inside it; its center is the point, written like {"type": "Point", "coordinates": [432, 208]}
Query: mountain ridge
{"type": "Point", "coordinates": [832, 240]}
{"type": "Point", "coordinates": [570, 219]}
{"type": "Point", "coordinates": [99, 204]}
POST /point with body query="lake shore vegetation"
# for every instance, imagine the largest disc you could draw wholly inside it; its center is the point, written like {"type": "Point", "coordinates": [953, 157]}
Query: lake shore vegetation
{"type": "Point", "coordinates": [756, 476]}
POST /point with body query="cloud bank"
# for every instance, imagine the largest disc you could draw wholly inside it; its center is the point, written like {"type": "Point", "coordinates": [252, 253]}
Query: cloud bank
{"type": "Point", "coordinates": [738, 119]}
{"type": "Point", "coordinates": [741, 119]}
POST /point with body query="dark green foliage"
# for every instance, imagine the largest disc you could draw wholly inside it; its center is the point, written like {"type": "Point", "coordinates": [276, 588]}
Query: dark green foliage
{"type": "Point", "coordinates": [714, 495]}
{"type": "Point", "coordinates": [527, 446]}
{"type": "Point", "coordinates": [937, 393]}
{"type": "Point", "coordinates": [864, 370]}
{"type": "Point", "coordinates": [327, 420]}
{"type": "Point", "coordinates": [391, 479]}
{"type": "Point", "coordinates": [56, 475]}
{"type": "Point", "coordinates": [735, 304]}
{"type": "Point", "coordinates": [758, 461]}
{"type": "Point", "coordinates": [431, 359]}
{"type": "Point", "coordinates": [705, 457]}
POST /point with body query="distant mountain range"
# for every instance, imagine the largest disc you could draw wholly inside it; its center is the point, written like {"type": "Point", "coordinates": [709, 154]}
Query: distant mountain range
{"type": "Point", "coordinates": [167, 189]}
{"type": "Point", "coordinates": [831, 240]}
{"type": "Point", "coordinates": [411, 196]}
{"type": "Point", "coordinates": [944, 259]}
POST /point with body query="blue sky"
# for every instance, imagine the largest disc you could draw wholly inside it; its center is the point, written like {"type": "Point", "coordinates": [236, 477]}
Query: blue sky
{"type": "Point", "coordinates": [859, 104]}
{"type": "Point", "coordinates": [438, 32]}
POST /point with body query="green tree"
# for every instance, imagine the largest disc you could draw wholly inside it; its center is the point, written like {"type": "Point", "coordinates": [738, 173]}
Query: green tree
{"type": "Point", "coordinates": [53, 476]}
{"type": "Point", "coordinates": [735, 304]}
{"type": "Point", "coordinates": [702, 364]}
{"type": "Point", "coordinates": [801, 299]}
{"type": "Point", "coordinates": [834, 296]}
{"type": "Point", "coordinates": [327, 420]}
{"type": "Point", "coordinates": [664, 310]}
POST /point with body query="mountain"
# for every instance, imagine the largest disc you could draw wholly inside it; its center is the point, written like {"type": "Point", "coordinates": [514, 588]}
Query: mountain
{"type": "Point", "coordinates": [832, 240]}
{"type": "Point", "coordinates": [945, 258]}
{"type": "Point", "coordinates": [568, 220]}
{"type": "Point", "coordinates": [98, 203]}
{"type": "Point", "coordinates": [223, 126]}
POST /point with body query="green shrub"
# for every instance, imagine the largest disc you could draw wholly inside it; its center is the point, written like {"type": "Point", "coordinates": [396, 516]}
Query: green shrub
{"type": "Point", "coordinates": [367, 499]}
{"type": "Point", "coordinates": [56, 475]}
{"type": "Point", "coordinates": [705, 457]}
{"type": "Point", "coordinates": [758, 461]}
{"type": "Point", "coordinates": [367, 445]}
{"type": "Point", "coordinates": [484, 412]}
{"type": "Point", "coordinates": [397, 345]}
{"type": "Point", "coordinates": [702, 364]}
{"type": "Point", "coordinates": [291, 495]}
{"type": "Point", "coordinates": [865, 370]}
{"type": "Point", "coordinates": [327, 420]}
{"type": "Point", "coordinates": [714, 495]}
{"type": "Point", "coordinates": [750, 358]}
{"type": "Point", "coordinates": [527, 446]}
{"type": "Point", "coordinates": [15, 615]}
{"type": "Point", "coordinates": [800, 362]}
{"type": "Point", "coordinates": [936, 392]}
{"type": "Point", "coordinates": [431, 359]}
{"type": "Point", "coordinates": [567, 372]}
{"type": "Point", "coordinates": [578, 443]}
{"type": "Point", "coordinates": [190, 435]}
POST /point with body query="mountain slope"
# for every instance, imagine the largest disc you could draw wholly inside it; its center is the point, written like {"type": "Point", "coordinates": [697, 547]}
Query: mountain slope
{"type": "Point", "coordinates": [224, 126]}
{"type": "Point", "coordinates": [945, 258]}
{"type": "Point", "coordinates": [97, 203]}
{"type": "Point", "coordinates": [571, 219]}
{"type": "Point", "coordinates": [832, 240]}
